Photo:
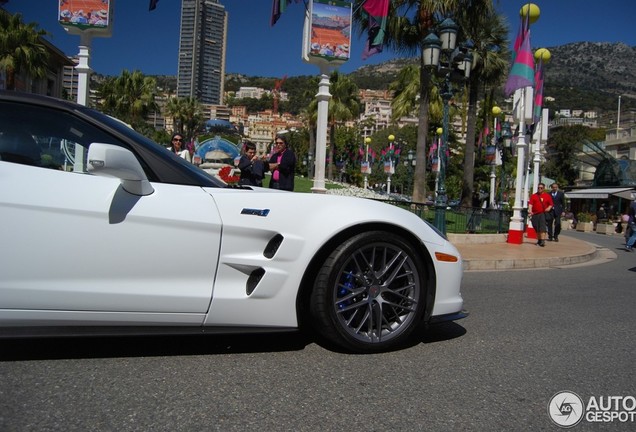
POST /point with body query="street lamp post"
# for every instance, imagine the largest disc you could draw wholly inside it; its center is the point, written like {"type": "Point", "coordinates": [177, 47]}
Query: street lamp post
{"type": "Point", "coordinates": [410, 162]}
{"type": "Point", "coordinates": [505, 149]}
{"type": "Point", "coordinates": [438, 145]}
{"type": "Point", "coordinates": [493, 176]}
{"type": "Point", "coordinates": [390, 169]}
{"type": "Point", "coordinates": [310, 160]}
{"type": "Point", "coordinates": [453, 65]}
{"type": "Point", "coordinates": [366, 167]}
{"type": "Point", "coordinates": [516, 226]}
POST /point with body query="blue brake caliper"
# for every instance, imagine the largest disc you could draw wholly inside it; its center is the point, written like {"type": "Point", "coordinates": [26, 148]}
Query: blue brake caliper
{"type": "Point", "coordinates": [345, 289]}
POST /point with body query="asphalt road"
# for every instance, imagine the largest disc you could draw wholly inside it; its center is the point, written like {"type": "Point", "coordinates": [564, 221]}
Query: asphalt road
{"type": "Point", "coordinates": [530, 335]}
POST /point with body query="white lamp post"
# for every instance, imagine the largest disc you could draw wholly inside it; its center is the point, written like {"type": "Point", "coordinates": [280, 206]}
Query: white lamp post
{"type": "Point", "coordinates": [391, 168]}
{"type": "Point", "coordinates": [366, 168]}
{"type": "Point", "coordinates": [516, 227]}
{"type": "Point", "coordinates": [439, 132]}
{"type": "Point", "coordinates": [493, 176]}
{"type": "Point", "coordinates": [323, 97]}
{"type": "Point", "coordinates": [542, 55]}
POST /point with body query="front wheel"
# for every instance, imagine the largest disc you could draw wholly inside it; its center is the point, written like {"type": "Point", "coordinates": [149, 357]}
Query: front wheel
{"type": "Point", "coordinates": [370, 293]}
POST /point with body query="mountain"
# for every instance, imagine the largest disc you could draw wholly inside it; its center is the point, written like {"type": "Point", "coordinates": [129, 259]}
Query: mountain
{"type": "Point", "coordinates": [608, 67]}
{"type": "Point", "coordinates": [581, 75]}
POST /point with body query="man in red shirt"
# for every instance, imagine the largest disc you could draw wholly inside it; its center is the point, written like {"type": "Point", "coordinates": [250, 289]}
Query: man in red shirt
{"type": "Point", "coordinates": [540, 203]}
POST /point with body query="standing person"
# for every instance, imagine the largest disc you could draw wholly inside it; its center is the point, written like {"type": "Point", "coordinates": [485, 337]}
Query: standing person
{"type": "Point", "coordinates": [540, 203]}
{"type": "Point", "coordinates": [631, 223]}
{"type": "Point", "coordinates": [251, 166]}
{"type": "Point", "coordinates": [282, 164]}
{"type": "Point", "coordinates": [558, 201]}
{"type": "Point", "coordinates": [178, 147]}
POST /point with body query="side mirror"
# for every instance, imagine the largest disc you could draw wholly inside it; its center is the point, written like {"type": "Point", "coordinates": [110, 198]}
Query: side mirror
{"type": "Point", "coordinates": [112, 161]}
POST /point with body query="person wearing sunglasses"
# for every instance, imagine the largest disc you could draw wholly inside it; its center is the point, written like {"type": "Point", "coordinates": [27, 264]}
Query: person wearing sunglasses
{"type": "Point", "coordinates": [540, 203]}
{"type": "Point", "coordinates": [282, 164]}
{"type": "Point", "coordinates": [178, 147]}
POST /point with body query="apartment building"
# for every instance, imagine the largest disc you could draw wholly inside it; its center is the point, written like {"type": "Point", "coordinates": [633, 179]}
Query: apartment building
{"type": "Point", "coordinates": [202, 46]}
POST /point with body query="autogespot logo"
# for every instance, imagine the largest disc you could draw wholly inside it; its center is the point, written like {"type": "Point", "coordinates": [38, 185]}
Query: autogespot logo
{"type": "Point", "coordinates": [566, 409]}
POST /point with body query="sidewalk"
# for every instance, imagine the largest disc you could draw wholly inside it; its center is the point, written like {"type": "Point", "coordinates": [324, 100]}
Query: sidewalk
{"type": "Point", "coordinates": [492, 252]}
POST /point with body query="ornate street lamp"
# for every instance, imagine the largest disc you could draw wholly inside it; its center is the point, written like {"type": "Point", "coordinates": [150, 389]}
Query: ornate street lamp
{"type": "Point", "coordinates": [453, 65]}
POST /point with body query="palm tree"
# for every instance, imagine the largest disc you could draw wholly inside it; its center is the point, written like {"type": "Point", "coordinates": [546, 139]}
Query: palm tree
{"type": "Point", "coordinates": [408, 23]}
{"type": "Point", "coordinates": [489, 35]}
{"type": "Point", "coordinates": [344, 105]}
{"type": "Point", "coordinates": [21, 48]}
{"type": "Point", "coordinates": [193, 117]}
{"type": "Point", "coordinates": [187, 114]}
{"type": "Point", "coordinates": [406, 89]}
{"type": "Point", "coordinates": [129, 97]}
{"type": "Point", "coordinates": [174, 108]}
{"type": "Point", "coordinates": [309, 115]}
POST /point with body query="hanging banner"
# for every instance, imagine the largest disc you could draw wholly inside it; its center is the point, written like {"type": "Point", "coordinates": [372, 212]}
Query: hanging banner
{"type": "Point", "coordinates": [491, 154]}
{"type": "Point", "coordinates": [327, 32]}
{"type": "Point", "coordinates": [389, 168]}
{"type": "Point", "coordinates": [435, 164]}
{"type": "Point", "coordinates": [365, 168]}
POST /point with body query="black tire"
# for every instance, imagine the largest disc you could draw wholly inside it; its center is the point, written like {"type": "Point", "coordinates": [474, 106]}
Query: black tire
{"type": "Point", "coordinates": [370, 293]}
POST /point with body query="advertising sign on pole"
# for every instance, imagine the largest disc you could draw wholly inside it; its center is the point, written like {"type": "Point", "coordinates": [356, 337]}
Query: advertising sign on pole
{"type": "Point", "coordinates": [91, 16]}
{"type": "Point", "coordinates": [327, 33]}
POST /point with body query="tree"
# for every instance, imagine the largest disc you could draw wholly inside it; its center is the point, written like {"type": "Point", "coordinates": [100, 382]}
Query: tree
{"type": "Point", "coordinates": [344, 105]}
{"type": "Point", "coordinates": [21, 48]}
{"type": "Point", "coordinates": [187, 115]}
{"type": "Point", "coordinates": [488, 33]}
{"type": "Point", "coordinates": [129, 97]}
{"type": "Point", "coordinates": [564, 148]}
{"type": "Point", "coordinates": [408, 23]}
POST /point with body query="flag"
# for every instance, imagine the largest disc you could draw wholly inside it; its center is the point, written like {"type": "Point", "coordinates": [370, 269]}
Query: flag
{"type": "Point", "coordinates": [153, 5]}
{"type": "Point", "coordinates": [278, 7]}
{"type": "Point", "coordinates": [376, 12]}
{"type": "Point", "coordinates": [538, 92]}
{"type": "Point", "coordinates": [432, 150]}
{"type": "Point", "coordinates": [522, 71]}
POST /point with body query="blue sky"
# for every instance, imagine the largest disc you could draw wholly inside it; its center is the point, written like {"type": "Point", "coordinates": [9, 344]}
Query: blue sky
{"type": "Point", "coordinates": [149, 41]}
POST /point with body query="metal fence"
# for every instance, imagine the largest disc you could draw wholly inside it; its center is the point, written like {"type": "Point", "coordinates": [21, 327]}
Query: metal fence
{"type": "Point", "coordinates": [462, 220]}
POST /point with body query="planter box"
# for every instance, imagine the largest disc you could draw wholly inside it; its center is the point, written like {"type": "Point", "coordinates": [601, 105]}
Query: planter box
{"type": "Point", "coordinates": [566, 224]}
{"type": "Point", "coordinates": [605, 228]}
{"type": "Point", "coordinates": [585, 226]}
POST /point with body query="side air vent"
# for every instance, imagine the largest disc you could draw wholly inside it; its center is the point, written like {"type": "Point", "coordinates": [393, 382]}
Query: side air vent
{"type": "Point", "coordinates": [272, 246]}
{"type": "Point", "coordinates": [253, 280]}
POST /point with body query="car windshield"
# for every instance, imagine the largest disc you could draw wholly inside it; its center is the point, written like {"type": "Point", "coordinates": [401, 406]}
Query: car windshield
{"type": "Point", "coordinates": [123, 128]}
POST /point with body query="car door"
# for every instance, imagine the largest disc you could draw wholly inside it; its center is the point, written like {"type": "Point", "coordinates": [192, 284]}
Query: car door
{"type": "Point", "coordinates": [79, 243]}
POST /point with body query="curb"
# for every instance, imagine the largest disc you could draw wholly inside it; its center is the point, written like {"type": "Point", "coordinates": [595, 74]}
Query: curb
{"type": "Point", "coordinates": [492, 252]}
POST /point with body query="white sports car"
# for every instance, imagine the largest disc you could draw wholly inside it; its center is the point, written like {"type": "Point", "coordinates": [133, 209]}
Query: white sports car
{"type": "Point", "coordinates": [106, 232]}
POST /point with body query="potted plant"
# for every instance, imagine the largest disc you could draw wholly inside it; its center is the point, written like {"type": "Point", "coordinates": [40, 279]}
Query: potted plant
{"type": "Point", "coordinates": [584, 222]}
{"type": "Point", "coordinates": [606, 227]}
